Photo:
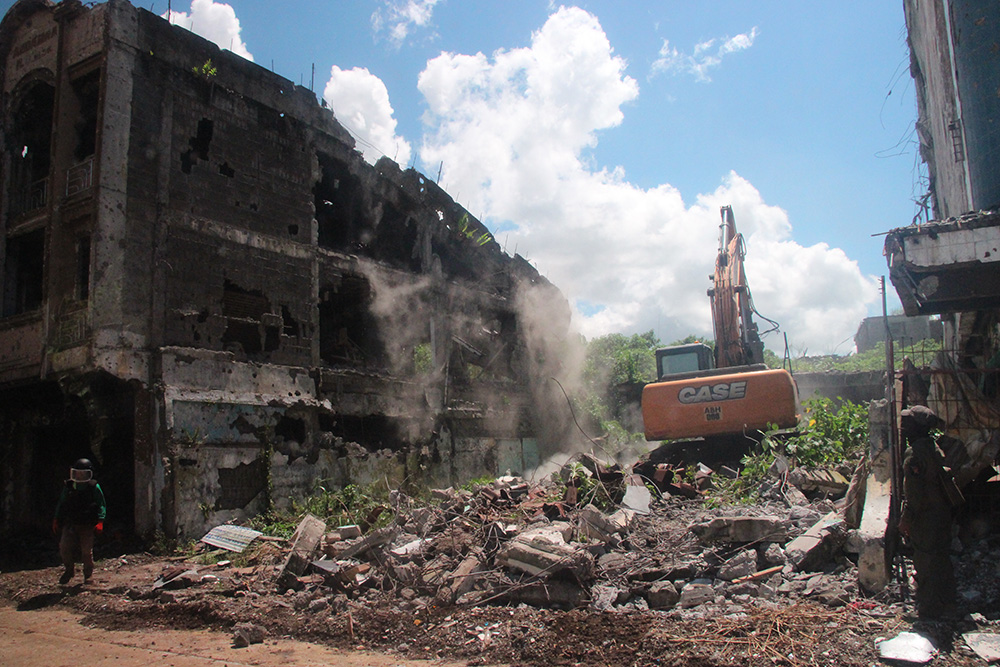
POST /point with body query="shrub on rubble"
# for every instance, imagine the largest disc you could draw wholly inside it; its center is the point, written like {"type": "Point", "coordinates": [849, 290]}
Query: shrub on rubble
{"type": "Point", "coordinates": [352, 504]}
{"type": "Point", "coordinates": [831, 433]}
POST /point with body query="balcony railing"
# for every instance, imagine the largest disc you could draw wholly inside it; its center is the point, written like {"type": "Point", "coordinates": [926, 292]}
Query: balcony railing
{"type": "Point", "coordinates": [30, 198]}
{"type": "Point", "coordinates": [80, 177]}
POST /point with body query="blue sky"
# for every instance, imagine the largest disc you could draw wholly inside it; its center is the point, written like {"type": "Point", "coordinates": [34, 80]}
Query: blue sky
{"type": "Point", "coordinates": [600, 138]}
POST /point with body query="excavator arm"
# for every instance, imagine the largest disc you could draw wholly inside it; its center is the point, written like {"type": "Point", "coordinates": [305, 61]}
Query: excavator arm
{"type": "Point", "coordinates": [737, 342]}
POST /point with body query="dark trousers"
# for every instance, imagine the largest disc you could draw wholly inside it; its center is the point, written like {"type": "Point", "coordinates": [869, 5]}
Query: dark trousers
{"type": "Point", "coordinates": [73, 537]}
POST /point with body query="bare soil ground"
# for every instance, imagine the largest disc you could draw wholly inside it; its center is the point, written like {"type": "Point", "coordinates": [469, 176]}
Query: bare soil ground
{"type": "Point", "coordinates": [747, 632]}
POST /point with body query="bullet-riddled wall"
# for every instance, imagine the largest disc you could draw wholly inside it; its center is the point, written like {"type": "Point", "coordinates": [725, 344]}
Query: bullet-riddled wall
{"type": "Point", "coordinates": [262, 310]}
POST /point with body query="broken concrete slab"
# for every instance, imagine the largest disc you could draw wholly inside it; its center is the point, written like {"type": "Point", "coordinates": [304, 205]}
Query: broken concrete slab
{"type": "Point", "coordinates": [374, 540]}
{"type": "Point", "coordinates": [825, 482]}
{"type": "Point", "coordinates": [461, 581]}
{"type": "Point", "coordinates": [741, 529]}
{"type": "Point", "coordinates": [594, 524]}
{"type": "Point", "coordinates": [637, 496]}
{"type": "Point", "coordinates": [245, 634]}
{"type": "Point", "coordinates": [603, 598]}
{"type": "Point", "coordinates": [984, 644]}
{"type": "Point", "coordinates": [544, 558]}
{"type": "Point", "coordinates": [693, 595]}
{"type": "Point", "coordinates": [739, 566]}
{"type": "Point", "coordinates": [662, 595]}
{"type": "Point", "coordinates": [815, 546]}
{"type": "Point", "coordinates": [348, 532]}
{"type": "Point", "coordinates": [305, 541]}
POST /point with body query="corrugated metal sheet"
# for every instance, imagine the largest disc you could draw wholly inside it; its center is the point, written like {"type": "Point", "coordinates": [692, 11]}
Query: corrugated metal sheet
{"type": "Point", "coordinates": [231, 538]}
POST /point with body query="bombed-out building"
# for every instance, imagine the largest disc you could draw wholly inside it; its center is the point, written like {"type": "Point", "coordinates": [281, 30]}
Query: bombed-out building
{"type": "Point", "coordinates": [208, 291]}
{"type": "Point", "coordinates": [949, 264]}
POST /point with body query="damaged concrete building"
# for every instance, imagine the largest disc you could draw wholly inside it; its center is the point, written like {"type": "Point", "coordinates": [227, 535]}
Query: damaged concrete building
{"type": "Point", "coordinates": [210, 293]}
{"type": "Point", "coordinates": [950, 264]}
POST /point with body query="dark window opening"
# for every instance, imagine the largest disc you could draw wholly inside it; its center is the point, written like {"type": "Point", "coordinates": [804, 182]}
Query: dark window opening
{"type": "Point", "coordinates": [272, 338]}
{"type": "Point", "coordinates": [240, 485]}
{"type": "Point", "coordinates": [293, 230]}
{"type": "Point", "coordinates": [347, 330]}
{"type": "Point", "coordinates": [244, 309]}
{"type": "Point", "coordinates": [83, 268]}
{"type": "Point", "coordinates": [200, 142]}
{"type": "Point", "coordinates": [88, 90]}
{"type": "Point", "coordinates": [395, 239]}
{"type": "Point", "coordinates": [338, 202]}
{"type": "Point", "coordinates": [290, 326]}
{"type": "Point", "coordinates": [30, 149]}
{"type": "Point", "coordinates": [23, 273]}
{"type": "Point", "coordinates": [373, 432]}
{"type": "Point", "coordinates": [243, 303]}
{"type": "Point", "coordinates": [226, 170]}
{"type": "Point", "coordinates": [291, 428]}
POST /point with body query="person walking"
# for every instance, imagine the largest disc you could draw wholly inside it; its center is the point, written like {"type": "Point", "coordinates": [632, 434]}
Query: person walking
{"type": "Point", "coordinates": [79, 517]}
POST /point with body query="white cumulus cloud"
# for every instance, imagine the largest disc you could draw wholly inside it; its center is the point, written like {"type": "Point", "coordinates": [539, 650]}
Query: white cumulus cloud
{"type": "Point", "coordinates": [704, 57]}
{"type": "Point", "coordinates": [360, 101]}
{"type": "Point", "coordinates": [216, 22]}
{"type": "Point", "coordinates": [398, 17]}
{"type": "Point", "coordinates": [511, 130]}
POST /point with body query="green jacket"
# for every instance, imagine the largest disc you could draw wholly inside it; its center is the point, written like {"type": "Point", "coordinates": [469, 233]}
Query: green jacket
{"type": "Point", "coordinates": [81, 504]}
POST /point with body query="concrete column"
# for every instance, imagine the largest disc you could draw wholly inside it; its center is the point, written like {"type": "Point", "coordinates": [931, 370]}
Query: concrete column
{"type": "Point", "coordinates": [874, 561]}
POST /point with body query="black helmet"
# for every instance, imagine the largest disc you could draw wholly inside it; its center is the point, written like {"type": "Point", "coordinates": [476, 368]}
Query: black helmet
{"type": "Point", "coordinates": [82, 471]}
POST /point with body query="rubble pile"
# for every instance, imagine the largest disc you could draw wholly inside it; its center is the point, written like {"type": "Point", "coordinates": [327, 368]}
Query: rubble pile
{"type": "Point", "coordinates": [596, 565]}
{"type": "Point", "coordinates": [652, 545]}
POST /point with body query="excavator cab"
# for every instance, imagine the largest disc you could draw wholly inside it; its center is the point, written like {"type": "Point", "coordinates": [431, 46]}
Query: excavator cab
{"type": "Point", "coordinates": [684, 359]}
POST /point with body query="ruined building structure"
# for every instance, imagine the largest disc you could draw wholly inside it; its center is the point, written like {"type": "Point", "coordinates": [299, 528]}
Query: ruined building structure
{"type": "Point", "coordinates": [208, 291]}
{"type": "Point", "coordinates": [950, 264]}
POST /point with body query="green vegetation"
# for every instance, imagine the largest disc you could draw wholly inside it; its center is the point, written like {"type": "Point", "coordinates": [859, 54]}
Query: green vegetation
{"type": "Point", "coordinates": [589, 490]}
{"type": "Point", "coordinates": [833, 433]}
{"type": "Point", "coordinates": [352, 504]}
{"type": "Point", "coordinates": [466, 230]}
{"type": "Point", "coordinates": [206, 69]}
{"type": "Point", "coordinates": [922, 352]}
{"type": "Point", "coordinates": [612, 361]}
{"type": "Point", "coordinates": [422, 359]}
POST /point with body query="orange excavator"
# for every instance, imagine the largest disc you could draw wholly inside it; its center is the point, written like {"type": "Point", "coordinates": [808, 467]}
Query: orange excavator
{"type": "Point", "coordinates": [728, 395]}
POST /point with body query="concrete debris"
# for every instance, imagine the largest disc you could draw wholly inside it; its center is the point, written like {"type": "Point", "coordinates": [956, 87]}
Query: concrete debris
{"type": "Point", "coordinates": [827, 483]}
{"type": "Point", "coordinates": [740, 566]}
{"type": "Point", "coordinates": [245, 634]}
{"type": "Point", "coordinates": [662, 595]}
{"type": "Point", "coordinates": [539, 555]}
{"type": "Point", "coordinates": [985, 644]}
{"type": "Point", "coordinates": [305, 540]}
{"type": "Point", "coordinates": [508, 542]}
{"type": "Point", "coordinates": [747, 529]}
{"type": "Point", "coordinates": [693, 595]}
{"type": "Point", "coordinates": [817, 544]}
{"type": "Point", "coordinates": [907, 647]}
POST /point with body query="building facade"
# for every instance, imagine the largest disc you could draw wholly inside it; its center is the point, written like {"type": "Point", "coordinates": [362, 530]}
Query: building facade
{"type": "Point", "coordinates": [950, 265]}
{"type": "Point", "coordinates": [209, 292]}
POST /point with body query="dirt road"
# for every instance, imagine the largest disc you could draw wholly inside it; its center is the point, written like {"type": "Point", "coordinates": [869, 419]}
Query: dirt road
{"type": "Point", "coordinates": [56, 638]}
